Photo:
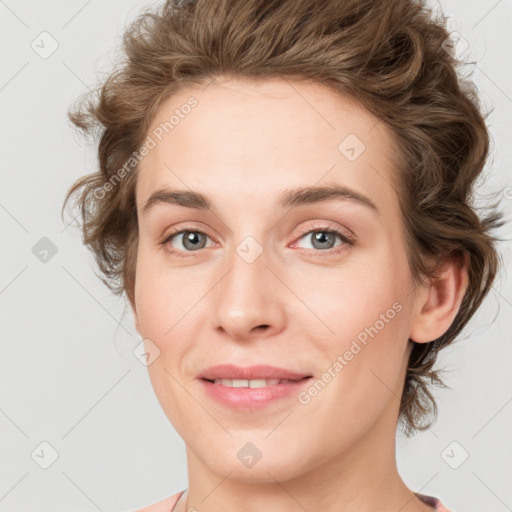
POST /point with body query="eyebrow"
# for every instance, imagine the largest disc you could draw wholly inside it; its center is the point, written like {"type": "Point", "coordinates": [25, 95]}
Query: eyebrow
{"type": "Point", "coordinates": [293, 197]}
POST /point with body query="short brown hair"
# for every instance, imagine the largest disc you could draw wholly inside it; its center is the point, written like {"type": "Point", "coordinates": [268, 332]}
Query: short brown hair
{"type": "Point", "coordinates": [386, 54]}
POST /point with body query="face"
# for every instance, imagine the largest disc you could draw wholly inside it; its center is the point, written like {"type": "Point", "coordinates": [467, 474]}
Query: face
{"type": "Point", "coordinates": [317, 284]}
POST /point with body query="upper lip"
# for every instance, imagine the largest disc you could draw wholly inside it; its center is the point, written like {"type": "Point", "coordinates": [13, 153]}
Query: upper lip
{"type": "Point", "coordinates": [230, 371]}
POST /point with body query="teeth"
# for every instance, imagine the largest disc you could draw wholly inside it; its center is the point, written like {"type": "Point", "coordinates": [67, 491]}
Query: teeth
{"type": "Point", "coordinates": [255, 383]}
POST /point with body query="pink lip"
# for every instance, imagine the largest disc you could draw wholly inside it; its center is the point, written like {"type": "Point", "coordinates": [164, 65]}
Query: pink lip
{"type": "Point", "coordinates": [248, 399]}
{"type": "Point", "coordinates": [230, 371]}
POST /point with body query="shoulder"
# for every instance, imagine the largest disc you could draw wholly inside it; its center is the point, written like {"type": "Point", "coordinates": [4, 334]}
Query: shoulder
{"type": "Point", "coordinates": [165, 505]}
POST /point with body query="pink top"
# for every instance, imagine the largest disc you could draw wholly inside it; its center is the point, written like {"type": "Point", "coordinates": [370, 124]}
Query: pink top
{"type": "Point", "coordinates": [168, 504]}
{"type": "Point", "coordinates": [430, 500]}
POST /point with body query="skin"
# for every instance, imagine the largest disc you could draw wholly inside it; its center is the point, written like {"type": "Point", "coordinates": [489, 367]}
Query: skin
{"type": "Point", "coordinates": [241, 146]}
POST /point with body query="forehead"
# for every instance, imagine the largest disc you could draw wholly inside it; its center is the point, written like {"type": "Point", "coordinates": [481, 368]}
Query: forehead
{"type": "Point", "coordinates": [247, 139]}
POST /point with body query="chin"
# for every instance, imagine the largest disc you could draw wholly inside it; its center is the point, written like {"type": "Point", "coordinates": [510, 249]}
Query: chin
{"type": "Point", "coordinates": [272, 465]}
{"type": "Point", "coordinates": [259, 474]}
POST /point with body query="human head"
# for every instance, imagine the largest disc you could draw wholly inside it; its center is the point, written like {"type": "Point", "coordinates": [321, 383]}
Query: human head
{"type": "Point", "coordinates": [386, 56]}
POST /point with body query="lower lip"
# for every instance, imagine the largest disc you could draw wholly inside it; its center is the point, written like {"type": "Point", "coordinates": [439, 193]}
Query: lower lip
{"type": "Point", "coordinates": [251, 398]}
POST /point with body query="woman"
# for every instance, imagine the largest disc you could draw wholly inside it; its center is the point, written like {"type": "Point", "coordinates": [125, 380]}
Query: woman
{"type": "Point", "coordinates": [284, 195]}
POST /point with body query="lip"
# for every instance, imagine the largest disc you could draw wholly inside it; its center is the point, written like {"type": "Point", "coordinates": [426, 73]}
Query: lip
{"type": "Point", "coordinates": [250, 399]}
{"type": "Point", "coordinates": [230, 371]}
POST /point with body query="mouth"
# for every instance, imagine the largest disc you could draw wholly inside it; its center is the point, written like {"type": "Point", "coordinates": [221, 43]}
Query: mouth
{"type": "Point", "coordinates": [238, 374]}
{"type": "Point", "coordinates": [254, 383]}
{"type": "Point", "coordinates": [253, 394]}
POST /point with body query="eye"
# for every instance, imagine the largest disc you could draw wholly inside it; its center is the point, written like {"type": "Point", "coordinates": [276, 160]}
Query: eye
{"type": "Point", "coordinates": [190, 241]}
{"type": "Point", "coordinates": [323, 239]}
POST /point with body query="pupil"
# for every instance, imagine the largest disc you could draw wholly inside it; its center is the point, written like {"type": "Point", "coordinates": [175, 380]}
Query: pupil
{"type": "Point", "coordinates": [191, 237]}
{"type": "Point", "coordinates": [323, 237]}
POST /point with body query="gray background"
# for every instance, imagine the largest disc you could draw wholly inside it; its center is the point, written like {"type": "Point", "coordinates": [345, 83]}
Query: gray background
{"type": "Point", "coordinates": [69, 377]}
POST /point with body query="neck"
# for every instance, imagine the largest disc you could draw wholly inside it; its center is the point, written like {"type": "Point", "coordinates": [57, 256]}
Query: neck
{"type": "Point", "coordinates": [363, 478]}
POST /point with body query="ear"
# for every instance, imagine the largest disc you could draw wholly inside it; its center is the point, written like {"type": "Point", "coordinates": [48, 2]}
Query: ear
{"type": "Point", "coordinates": [438, 303]}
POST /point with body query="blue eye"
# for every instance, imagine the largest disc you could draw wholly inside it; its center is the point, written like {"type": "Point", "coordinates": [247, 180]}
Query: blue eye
{"type": "Point", "coordinates": [322, 240]}
{"type": "Point", "coordinates": [192, 240]}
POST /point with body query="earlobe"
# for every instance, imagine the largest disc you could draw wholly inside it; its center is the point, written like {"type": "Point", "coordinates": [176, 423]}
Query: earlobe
{"type": "Point", "coordinates": [438, 303]}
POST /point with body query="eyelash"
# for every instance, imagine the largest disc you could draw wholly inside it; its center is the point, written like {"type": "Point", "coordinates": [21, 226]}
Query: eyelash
{"type": "Point", "coordinates": [347, 241]}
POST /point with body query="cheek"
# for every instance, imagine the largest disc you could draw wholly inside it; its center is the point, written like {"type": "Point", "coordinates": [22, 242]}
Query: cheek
{"type": "Point", "coordinates": [353, 297]}
{"type": "Point", "coordinates": [170, 308]}
{"type": "Point", "coordinates": [364, 313]}
{"type": "Point", "coordinates": [154, 299]}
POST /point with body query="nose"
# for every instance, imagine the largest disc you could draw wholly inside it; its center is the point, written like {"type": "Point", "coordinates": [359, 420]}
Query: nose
{"type": "Point", "coordinates": [249, 300]}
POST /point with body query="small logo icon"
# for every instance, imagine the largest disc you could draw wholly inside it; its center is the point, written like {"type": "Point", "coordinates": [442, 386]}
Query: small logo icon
{"type": "Point", "coordinates": [146, 352]}
{"type": "Point", "coordinates": [351, 147]}
{"type": "Point", "coordinates": [454, 455]}
{"type": "Point", "coordinates": [44, 250]}
{"type": "Point", "coordinates": [249, 249]}
{"type": "Point", "coordinates": [44, 45]}
{"type": "Point", "coordinates": [249, 455]}
{"type": "Point", "coordinates": [455, 45]}
{"type": "Point", "coordinates": [44, 455]}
